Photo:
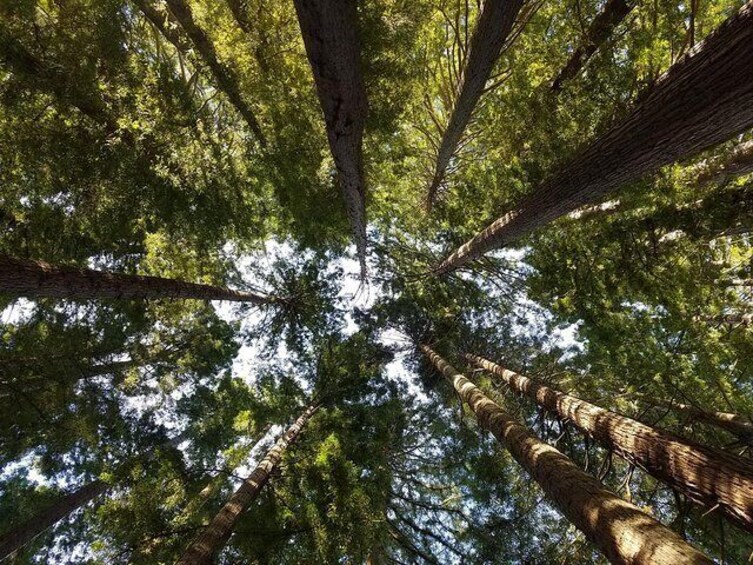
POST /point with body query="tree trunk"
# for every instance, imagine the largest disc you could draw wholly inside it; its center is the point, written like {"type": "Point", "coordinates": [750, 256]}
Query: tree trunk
{"type": "Point", "coordinates": [493, 26]}
{"type": "Point", "coordinates": [240, 13]}
{"type": "Point", "coordinates": [330, 34]}
{"type": "Point", "coordinates": [737, 163]}
{"type": "Point", "coordinates": [23, 534]}
{"type": "Point", "coordinates": [704, 99]}
{"type": "Point", "coordinates": [602, 27]}
{"type": "Point", "coordinates": [214, 537]}
{"type": "Point", "coordinates": [735, 424]}
{"type": "Point", "coordinates": [619, 529]}
{"type": "Point", "coordinates": [225, 79]}
{"type": "Point", "coordinates": [707, 476]}
{"type": "Point", "coordinates": [36, 279]}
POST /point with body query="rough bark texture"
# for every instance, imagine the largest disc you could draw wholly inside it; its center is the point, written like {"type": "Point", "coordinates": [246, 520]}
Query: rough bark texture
{"type": "Point", "coordinates": [704, 99]}
{"type": "Point", "coordinates": [224, 77]}
{"type": "Point", "coordinates": [214, 537]}
{"type": "Point", "coordinates": [495, 21]}
{"type": "Point", "coordinates": [707, 476]}
{"type": "Point", "coordinates": [330, 34]}
{"type": "Point", "coordinates": [735, 424]}
{"type": "Point", "coordinates": [24, 533]}
{"type": "Point", "coordinates": [602, 27]}
{"type": "Point", "coordinates": [35, 279]}
{"type": "Point", "coordinates": [619, 529]}
{"type": "Point", "coordinates": [718, 171]}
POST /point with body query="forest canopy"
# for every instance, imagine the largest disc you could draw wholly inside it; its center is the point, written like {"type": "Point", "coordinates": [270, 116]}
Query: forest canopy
{"type": "Point", "coordinates": [376, 281]}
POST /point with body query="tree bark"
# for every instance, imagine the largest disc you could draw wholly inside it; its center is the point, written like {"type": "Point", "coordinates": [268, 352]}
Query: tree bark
{"type": "Point", "coordinates": [710, 477]}
{"type": "Point", "coordinates": [602, 27]}
{"type": "Point", "coordinates": [25, 533]}
{"type": "Point", "coordinates": [705, 98]}
{"type": "Point", "coordinates": [619, 529]}
{"type": "Point", "coordinates": [224, 77]}
{"type": "Point", "coordinates": [330, 34]}
{"type": "Point", "coordinates": [36, 279]}
{"type": "Point", "coordinates": [214, 537]}
{"type": "Point", "coordinates": [493, 26]}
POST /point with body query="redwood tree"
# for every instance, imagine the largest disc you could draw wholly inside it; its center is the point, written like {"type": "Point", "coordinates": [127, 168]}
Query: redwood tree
{"type": "Point", "coordinates": [37, 279]}
{"type": "Point", "coordinates": [621, 530]}
{"type": "Point", "coordinates": [703, 99]}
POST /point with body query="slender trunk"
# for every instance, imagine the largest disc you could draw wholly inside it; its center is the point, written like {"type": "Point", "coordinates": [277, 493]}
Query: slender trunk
{"type": "Point", "coordinates": [214, 537]}
{"type": "Point", "coordinates": [737, 163]}
{"type": "Point", "coordinates": [36, 279]}
{"type": "Point", "coordinates": [602, 27]}
{"type": "Point", "coordinates": [330, 34]}
{"type": "Point", "coordinates": [710, 477]}
{"type": "Point", "coordinates": [23, 534]}
{"type": "Point", "coordinates": [240, 12]}
{"type": "Point", "coordinates": [224, 77]}
{"type": "Point", "coordinates": [704, 99]}
{"type": "Point", "coordinates": [495, 21]}
{"type": "Point", "coordinates": [735, 424]}
{"type": "Point", "coordinates": [619, 529]}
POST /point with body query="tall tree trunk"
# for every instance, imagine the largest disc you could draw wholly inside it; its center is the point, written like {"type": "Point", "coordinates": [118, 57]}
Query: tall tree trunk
{"type": "Point", "coordinates": [35, 279]}
{"type": "Point", "coordinates": [602, 27]}
{"type": "Point", "coordinates": [737, 163]}
{"type": "Point", "coordinates": [493, 26]}
{"type": "Point", "coordinates": [619, 529]}
{"type": "Point", "coordinates": [330, 34]}
{"type": "Point", "coordinates": [710, 477]}
{"type": "Point", "coordinates": [214, 537]}
{"type": "Point", "coordinates": [23, 534]}
{"type": "Point", "coordinates": [737, 425]}
{"type": "Point", "coordinates": [705, 98]}
{"type": "Point", "coordinates": [224, 77]}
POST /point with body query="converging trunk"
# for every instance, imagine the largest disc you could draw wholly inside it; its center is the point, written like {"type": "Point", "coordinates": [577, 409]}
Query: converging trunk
{"type": "Point", "coordinates": [704, 99]}
{"type": "Point", "coordinates": [214, 537]}
{"type": "Point", "coordinates": [37, 279]}
{"type": "Point", "coordinates": [600, 30]}
{"type": "Point", "coordinates": [495, 21]}
{"type": "Point", "coordinates": [735, 424]}
{"type": "Point", "coordinates": [718, 171]}
{"type": "Point", "coordinates": [330, 34]}
{"type": "Point", "coordinates": [25, 533]}
{"type": "Point", "coordinates": [619, 529]}
{"type": "Point", "coordinates": [710, 477]}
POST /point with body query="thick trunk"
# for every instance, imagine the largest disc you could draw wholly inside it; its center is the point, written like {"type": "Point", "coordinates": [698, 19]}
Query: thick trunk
{"type": "Point", "coordinates": [214, 537]}
{"type": "Point", "coordinates": [707, 476]}
{"type": "Point", "coordinates": [619, 529]}
{"type": "Point", "coordinates": [330, 34]}
{"type": "Point", "coordinates": [718, 171]}
{"type": "Point", "coordinates": [24, 533]}
{"type": "Point", "coordinates": [735, 424]}
{"type": "Point", "coordinates": [495, 21]}
{"type": "Point", "coordinates": [704, 99]}
{"type": "Point", "coordinates": [602, 27]}
{"type": "Point", "coordinates": [35, 279]}
{"type": "Point", "coordinates": [224, 77]}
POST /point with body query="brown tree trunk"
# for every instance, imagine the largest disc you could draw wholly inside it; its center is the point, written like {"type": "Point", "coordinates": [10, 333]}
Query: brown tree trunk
{"type": "Point", "coordinates": [619, 529]}
{"type": "Point", "coordinates": [718, 171]}
{"type": "Point", "coordinates": [330, 34]}
{"type": "Point", "coordinates": [705, 98]}
{"type": "Point", "coordinates": [36, 279]}
{"type": "Point", "coordinates": [735, 424]}
{"type": "Point", "coordinates": [23, 534]}
{"type": "Point", "coordinates": [602, 27]}
{"type": "Point", "coordinates": [710, 477]}
{"type": "Point", "coordinates": [214, 537]}
{"type": "Point", "coordinates": [224, 77]}
{"type": "Point", "coordinates": [493, 26]}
